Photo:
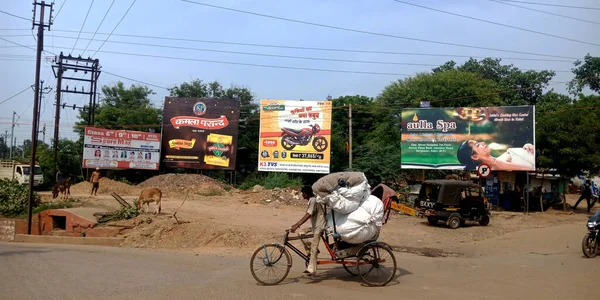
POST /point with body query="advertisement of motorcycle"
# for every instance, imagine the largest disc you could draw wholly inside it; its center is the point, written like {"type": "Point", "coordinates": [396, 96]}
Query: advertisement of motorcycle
{"type": "Point", "coordinates": [200, 133]}
{"type": "Point", "coordinates": [479, 139]}
{"type": "Point", "coordinates": [295, 136]}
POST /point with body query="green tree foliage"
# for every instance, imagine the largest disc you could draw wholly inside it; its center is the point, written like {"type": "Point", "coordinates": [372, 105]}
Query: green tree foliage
{"type": "Point", "coordinates": [14, 198]}
{"type": "Point", "coordinates": [587, 74]}
{"type": "Point", "coordinates": [69, 160]}
{"type": "Point", "coordinates": [567, 135]}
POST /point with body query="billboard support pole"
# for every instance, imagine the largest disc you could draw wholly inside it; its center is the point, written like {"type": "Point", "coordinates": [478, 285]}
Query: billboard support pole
{"type": "Point", "coordinates": [350, 137]}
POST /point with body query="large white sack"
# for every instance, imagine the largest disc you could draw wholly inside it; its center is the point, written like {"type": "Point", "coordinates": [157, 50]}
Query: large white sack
{"type": "Point", "coordinates": [346, 200]}
{"type": "Point", "coordinates": [360, 225]}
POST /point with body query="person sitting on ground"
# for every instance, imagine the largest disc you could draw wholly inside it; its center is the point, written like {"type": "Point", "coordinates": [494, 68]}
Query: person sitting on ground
{"type": "Point", "coordinates": [317, 215]}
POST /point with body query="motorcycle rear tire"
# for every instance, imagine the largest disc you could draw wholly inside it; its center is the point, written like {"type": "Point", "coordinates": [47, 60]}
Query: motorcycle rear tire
{"type": "Point", "coordinates": [285, 144]}
{"type": "Point", "coordinates": [593, 251]}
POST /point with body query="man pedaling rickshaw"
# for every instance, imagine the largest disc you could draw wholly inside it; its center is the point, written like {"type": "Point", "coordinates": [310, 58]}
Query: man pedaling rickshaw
{"type": "Point", "coordinates": [316, 212]}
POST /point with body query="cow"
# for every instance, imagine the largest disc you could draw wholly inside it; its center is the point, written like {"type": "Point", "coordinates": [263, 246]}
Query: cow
{"type": "Point", "coordinates": [63, 189]}
{"type": "Point", "coordinates": [148, 195]}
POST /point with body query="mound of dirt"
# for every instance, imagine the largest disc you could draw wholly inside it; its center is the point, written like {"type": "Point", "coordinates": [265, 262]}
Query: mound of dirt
{"type": "Point", "coordinates": [107, 186]}
{"type": "Point", "coordinates": [275, 197]}
{"type": "Point", "coordinates": [181, 184]}
{"type": "Point", "coordinates": [164, 233]}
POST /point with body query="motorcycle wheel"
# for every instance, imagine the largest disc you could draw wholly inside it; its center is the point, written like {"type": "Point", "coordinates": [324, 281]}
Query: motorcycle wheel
{"type": "Point", "coordinates": [320, 144]}
{"type": "Point", "coordinates": [589, 246]}
{"type": "Point", "coordinates": [285, 144]}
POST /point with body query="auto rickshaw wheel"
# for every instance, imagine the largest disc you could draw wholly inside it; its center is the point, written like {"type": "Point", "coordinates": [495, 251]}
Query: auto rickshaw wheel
{"type": "Point", "coordinates": [432, 221]}
{"type": "Point", "coordinates": [454, 222]}
{"type": "Point", "coordinates": [485, 220]}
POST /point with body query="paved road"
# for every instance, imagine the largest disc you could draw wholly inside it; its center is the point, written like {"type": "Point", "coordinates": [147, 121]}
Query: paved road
{"type": "Point", "coordinates": [31, 271]}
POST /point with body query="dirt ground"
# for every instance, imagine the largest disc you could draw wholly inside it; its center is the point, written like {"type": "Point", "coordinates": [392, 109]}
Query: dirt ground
{"type": "Point", "coordinates": [236, 222]}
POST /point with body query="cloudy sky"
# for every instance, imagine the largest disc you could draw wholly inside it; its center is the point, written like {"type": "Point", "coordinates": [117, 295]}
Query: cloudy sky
{"type": "Point", "coordinates": [554, 40]}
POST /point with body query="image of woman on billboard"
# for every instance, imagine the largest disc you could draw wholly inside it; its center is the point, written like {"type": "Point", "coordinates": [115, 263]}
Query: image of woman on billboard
{"type": "Point", "coordinates": [473, 153]}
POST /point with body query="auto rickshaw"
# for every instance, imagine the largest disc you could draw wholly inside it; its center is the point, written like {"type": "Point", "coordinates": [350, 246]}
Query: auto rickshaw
{"type": "Point", "coordinates": [452, 201]}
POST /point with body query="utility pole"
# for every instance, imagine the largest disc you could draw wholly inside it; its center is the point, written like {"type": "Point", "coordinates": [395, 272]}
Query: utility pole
{"type": "Point", "coordinates": [43, 90]}
{"type": "Point", "coordinates": [75, 64]}
{"type": "Point", "coordinates": [36, 98]}
{"type": "Point", "coordinates": [350, 135]}
{"type": "Point", "coordinates": [12, 135]}
{"type": "Point", "coordinates": [5, 137]}
{"type": "Point", "coordinates": [44, 134]}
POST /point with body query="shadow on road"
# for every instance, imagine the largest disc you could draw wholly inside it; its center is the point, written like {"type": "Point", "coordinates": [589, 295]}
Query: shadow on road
{"type": "Point", "coordinates": [22, 252]}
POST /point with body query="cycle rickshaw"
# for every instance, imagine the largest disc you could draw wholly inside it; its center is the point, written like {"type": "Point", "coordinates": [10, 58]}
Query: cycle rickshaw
{"type": "Point", "coordinates": [367, 260]}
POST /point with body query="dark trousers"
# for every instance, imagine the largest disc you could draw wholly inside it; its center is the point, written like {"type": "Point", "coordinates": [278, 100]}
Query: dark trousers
{"type": "Point", "coordinates": [587, 199]}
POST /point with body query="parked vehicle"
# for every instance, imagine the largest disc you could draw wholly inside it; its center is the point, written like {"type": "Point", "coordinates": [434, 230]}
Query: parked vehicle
{"type": "Point", "coordinates": [12, 169]}
{"type": "Point", "coordinates": [452, 201]}
{"type": "Point", "coordinates": [591, 241]}
{"type": "Point", "coordinates": [290, 138]}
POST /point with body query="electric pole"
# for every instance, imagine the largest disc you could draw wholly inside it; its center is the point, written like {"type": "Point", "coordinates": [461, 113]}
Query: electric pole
{"type": "Point", "coordinates": [36, 98]}
{"type": "Point", "coordinates": [12, 135]}
{"type": "Point", "coordinates": [350, 137]}
{"type": "Point", "coordinates": [43, 90]}
{"type": "Point", "coordinates": [75, 64]}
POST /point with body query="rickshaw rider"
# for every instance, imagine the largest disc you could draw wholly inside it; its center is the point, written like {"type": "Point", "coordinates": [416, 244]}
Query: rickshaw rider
{"type": "Point", "coordinates": [317, 215]}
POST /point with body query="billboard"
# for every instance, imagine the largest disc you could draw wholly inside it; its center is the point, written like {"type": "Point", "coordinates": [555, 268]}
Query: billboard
{"type": "Point", "coordinates": [295, 136]}
{"type": "Point", "coordinates": [120, 149]}
{"type": "Point", "coordinates": [501, 138]}
{"type": "Point", "coordinates": [200, 133]}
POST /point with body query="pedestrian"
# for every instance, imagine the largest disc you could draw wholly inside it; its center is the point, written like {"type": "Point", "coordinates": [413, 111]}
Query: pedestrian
{"type": "Point", "coordinates": [317, 215]}
{"type": "Point", "coordinates": [95, 180]}
{"type": "Point", "coordinates": [586, 192]}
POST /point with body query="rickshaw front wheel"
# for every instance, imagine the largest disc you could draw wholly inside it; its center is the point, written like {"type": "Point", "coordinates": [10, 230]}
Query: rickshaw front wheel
{"type": "Point", "coordinates": [485, 220]}
{"type": "Point", "coordinates": [270, 264]}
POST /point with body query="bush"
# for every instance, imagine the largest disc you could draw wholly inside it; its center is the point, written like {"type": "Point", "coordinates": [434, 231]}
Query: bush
{"type": "Point", "coordinates": [13, 198]}
{"type": "Point", "coordinates": [124, 213]}
{"type": "Point", "coordinates": [272, 180]}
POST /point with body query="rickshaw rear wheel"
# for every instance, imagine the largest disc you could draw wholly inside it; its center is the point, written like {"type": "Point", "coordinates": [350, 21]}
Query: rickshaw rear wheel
{"type": "Point", "coordinates": [454, 222]}
{"type": "Point", "coordinates": [353, 269]}
{"type": "Point", "coordinates": [270, 256]}
{"type": "Point", "coordinates": [485, 220]}
{"type": "Point", "coordinates": [378, 259]}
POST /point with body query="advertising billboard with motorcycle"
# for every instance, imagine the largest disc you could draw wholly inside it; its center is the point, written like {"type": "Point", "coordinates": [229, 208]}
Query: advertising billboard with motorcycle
{"type": "Point", "coordinates": [479, 139]}
{"type": "Point", "coordinates": [200, 133]}
{"type": "Point", "coordinates": [295, 136]}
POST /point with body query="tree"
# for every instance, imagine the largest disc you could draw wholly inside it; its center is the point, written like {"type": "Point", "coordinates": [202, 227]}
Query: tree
{"type": "Point", "coordinates": [516, 87]}
{"type": "Point", "coordinates": [587, 74]}
{"type": "Point", "coordinates": [123, 108]}
{"type": "Point", "coordinates": [69, 160]}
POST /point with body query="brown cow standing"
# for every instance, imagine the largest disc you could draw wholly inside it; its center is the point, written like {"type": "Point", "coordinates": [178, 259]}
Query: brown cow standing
{"type": "Point", "coordinates": [150, 195]}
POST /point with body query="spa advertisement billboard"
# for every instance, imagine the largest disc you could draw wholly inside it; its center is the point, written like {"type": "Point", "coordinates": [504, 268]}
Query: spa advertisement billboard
{"type": "Point", "coordinates": [200, 133]}
{"type": "Point", "coordinates": [295, 136]}
{"type": "Point", "coordinates": [465, 138]}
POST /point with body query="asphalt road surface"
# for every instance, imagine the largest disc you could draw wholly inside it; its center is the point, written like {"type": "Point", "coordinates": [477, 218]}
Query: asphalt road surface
{"type": "Point", "coordinates": [31, 271]}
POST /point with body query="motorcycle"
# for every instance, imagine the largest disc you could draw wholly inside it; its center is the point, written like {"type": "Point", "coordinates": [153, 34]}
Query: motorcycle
{"type": "Point", "coordinates": [290, 138]}
{"type": "Point", "coordinates": [590, 244]}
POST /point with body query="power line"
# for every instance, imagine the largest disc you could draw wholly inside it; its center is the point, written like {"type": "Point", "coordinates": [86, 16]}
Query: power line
{"type": "Point", "coordinates": [545, 12]}
{"type": "Point", "coordinates": [571, 59]}
{"type": "Point", "coordinates": [115, 28]}
{"type": "Point", "coordinates": [367, 32]}
{"type": "Point", "coordinates": [254, 65]}
{"type": "Point", "coordinates": [59, 10]}
{"type": "Point", "coordinates": [12, 15]}
{"type": "Point", "coordinates": [84, 20]}
{"type": "Point", "coordinates": [103, 18]}
{"type": "Point", "coordinates": [555, 5]}
{"type": "Point", "coordinates": [17, 94]}
{"type": "Point", "coordinates": [1, 38]}
{"type": "Point", "coordinates": [496, 23]}
{"type": "Point", "coordinates": [283, 56]}
{"type": "Point", "coordinates": [135, 80]}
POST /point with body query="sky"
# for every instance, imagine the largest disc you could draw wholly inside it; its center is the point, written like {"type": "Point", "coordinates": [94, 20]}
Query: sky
{"type": "Point", "coordinates": [375, 25]}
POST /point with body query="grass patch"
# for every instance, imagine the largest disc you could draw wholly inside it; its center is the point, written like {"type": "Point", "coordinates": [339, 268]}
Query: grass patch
{"type": "Point", "coordinates": [210, 193]}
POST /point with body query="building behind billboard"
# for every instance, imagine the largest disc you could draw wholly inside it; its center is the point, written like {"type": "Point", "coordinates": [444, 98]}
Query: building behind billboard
{"type": "Point", "coordinates": [288, 142]}
{"type": "Point", "coordinates": [464, 138]}
{"type": "Point", "coordinates": [120, 149]}
{"type": "Point", "coordinates": [200, 133]}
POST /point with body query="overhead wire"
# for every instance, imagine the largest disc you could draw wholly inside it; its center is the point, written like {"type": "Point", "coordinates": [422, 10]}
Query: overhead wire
{"type": "Point", "coordinates": [82, 25]}
{"type": "Point", "coordinates": [272, 55]}
{"type": "Point", "coordinates": [555, 5]}
{"type": "Point", "coordinates": [570, 59]}
{"type": "Point", "coordinates": [545, 12]}
{"type": "Point", "coordinates": [15, 95]}
{"type": "Point", "coordinates": [60, 9]}
{"type": "Point", "coordinates": [496, 23]}
{"type": "Point", "coordinates": [101, 22]}
{"type": "Point", "coordinates": [115, 28]}
{"type": "Point", "coordinates": [364, 31]}
{"type": "Point", "coordinates": [13, 15]}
